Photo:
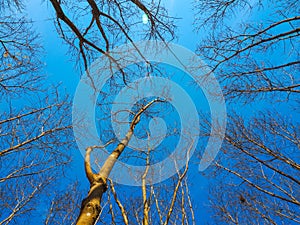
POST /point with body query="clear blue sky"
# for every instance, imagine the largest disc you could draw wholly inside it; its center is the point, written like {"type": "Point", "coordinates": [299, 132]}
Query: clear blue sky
{"type": "Point", "coordinates": [60, 70]}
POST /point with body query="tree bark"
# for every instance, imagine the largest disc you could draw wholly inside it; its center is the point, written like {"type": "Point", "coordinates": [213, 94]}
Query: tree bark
{"type": "Point", "coordinates": [90, 206]}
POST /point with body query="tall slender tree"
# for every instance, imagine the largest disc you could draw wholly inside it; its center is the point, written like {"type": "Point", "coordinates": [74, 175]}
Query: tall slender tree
{"type": "Point", "coordinates": [32, 121]}
{"type": "Point", "coordinates": [257, 61]}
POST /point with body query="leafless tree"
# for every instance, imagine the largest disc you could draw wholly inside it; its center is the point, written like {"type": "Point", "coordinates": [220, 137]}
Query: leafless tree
{"type": "Point", "coordinates": [64, 205]}
{"type": "Point", "coordinates": [93, 28]}
{"type": "Point", "coordinates": [259, 166]}
{"type": "Point", "coordinates": [259, 172]}
{"type": "Point", "coordinates": [168, 202]}
{"type": "Point", "coordinates": [150, 208]}
{"type": "Point", "coordinates": [257, 62]}
{"type": "Point", "coordinates": [34, 126]}
{"type": "Point", "coordinates": [256, 56]}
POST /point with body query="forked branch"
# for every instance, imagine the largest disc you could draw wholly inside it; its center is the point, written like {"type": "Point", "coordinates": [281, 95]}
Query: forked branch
{"type": "Point", "coordinates": [90, 208]}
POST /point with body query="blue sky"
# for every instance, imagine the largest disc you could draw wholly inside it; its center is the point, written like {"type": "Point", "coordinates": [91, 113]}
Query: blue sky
{"type": "Point", "coordinates": [60, 69]}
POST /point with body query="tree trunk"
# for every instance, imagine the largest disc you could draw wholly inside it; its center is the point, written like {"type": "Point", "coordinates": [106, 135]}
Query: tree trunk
{"type": "Point", "coordinates": [90, 206]}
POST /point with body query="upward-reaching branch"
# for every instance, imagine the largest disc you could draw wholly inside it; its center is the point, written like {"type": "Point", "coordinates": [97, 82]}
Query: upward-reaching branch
{"type": "Point", "coordinates": [90, 208]}
{"type": "Point", "coordinates": [105, 29]}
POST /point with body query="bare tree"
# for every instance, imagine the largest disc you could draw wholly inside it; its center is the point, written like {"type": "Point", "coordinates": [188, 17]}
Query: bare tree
{"type": "Point", "coordinates": [90, 209]}
{"type": "Point", "coordinates": [259, 172]}
{"type": "Point", "coordinates": [93, 28]}
{"type": "Point", "coordinates": [34, 127]}
{"type": "Point", "coordinates": [244, 56]}
{"type": "Point", "coordinates": [257, 62]}
{"type": "Point", "coordinates": [259, 166]}
{"type": "Point", "coordinates": [168, 202]}
{"type": "Point", "coordinates": [64, 205]}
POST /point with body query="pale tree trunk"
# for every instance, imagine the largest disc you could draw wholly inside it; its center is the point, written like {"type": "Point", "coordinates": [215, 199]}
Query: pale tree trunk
{"type": "Point", "coordinates": [90, 207]}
